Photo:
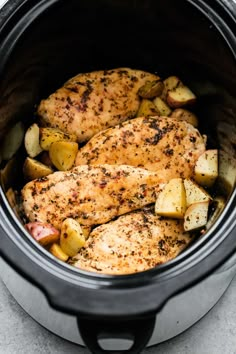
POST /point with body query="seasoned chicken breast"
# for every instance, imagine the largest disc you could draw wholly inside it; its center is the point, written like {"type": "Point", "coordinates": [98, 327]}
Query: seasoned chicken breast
{"type": "Point", "coordinates": [161, 144]}
{"type": "Point", "coordinates": [133, 243]}
{"type": "Point", "coordinates": [90, 194]}
{"type": "Point", "coordinates": [91, 102]}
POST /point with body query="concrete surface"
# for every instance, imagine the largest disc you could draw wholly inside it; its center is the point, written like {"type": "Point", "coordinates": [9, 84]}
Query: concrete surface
{"type": "Point", "coordinates": [214, 334]}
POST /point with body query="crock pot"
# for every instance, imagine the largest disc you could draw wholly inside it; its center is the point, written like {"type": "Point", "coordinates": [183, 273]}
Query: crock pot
{"type": "Point", "coordinates": [45, 42]}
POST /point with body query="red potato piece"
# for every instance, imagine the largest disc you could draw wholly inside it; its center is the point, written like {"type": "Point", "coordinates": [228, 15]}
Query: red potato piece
{"type": "Point", "coordinates": [180, 96]}
{"type": "Point", "coordinates": [44, 234]}
{"type": "Point", "coordinates": [170, 83]}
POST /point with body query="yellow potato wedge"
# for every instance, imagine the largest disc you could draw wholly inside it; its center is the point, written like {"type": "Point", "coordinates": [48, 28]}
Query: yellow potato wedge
{"type": "Point", "coordinates": [180, 96]}
{"type": "Point", "coordinates": [218, 205]}
{"type": "Point", "coordinates": [206, 168]}
{"type": "Point", "coordinates": [161, 107]}
{"type": "Point", "coordinates": [33, 169]}
{"type": "Point", "coordinates": [151, 89]}
{"type": "Point", "coordinates": [44, 234]}
{"type": "Point", "coordinates": [12, 141]}
{"type": "Point", "coordinates": [72, 238]}
{"type": "Point", "coordinates": [56, 250]}
{"type": "Point", "coordinates": [195, 193]}
{"type": "Point", "coordinates": [196, 216]}
{"type": "Point", "coordinates": [170, 83]}
{"type": "Point", "coordinates": [227, 172]}
{"type": "Point", "coordinates": [63, 154]}
{"type": "Point", "coordinates": [171, 201]}
{"type": "Point", "coordinates": [32, 145]}
{"type": "Point", "coordinates": [52, 135]}
{"type": "Point", "coordinates": [186, 115]}
{"type": "Point", "coordinates": [146, 108]}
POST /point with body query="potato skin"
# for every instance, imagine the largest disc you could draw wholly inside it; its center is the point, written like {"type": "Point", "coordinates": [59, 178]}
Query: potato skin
{"type": "Point", "coordinates": [179, 97]}
{"type": "Point", "coordinates": [170, 83]}
{"type": "Point", "coordinates": [33, 169]}
{"type": "Point", "coordinates": [43, 233]}
{"type": "Point", "coordinates": [151, 89]}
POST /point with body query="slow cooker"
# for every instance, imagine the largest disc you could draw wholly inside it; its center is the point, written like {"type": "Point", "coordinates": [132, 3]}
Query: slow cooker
{"type": "Point", "coordinates": [43, 43]}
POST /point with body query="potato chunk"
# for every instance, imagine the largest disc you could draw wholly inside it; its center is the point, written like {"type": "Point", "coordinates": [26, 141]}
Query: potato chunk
{"type": "Point", "coordinates": [63, 154]}
{"type": "Point", "coordinates": [146, 109]}
{"type": "Point", "coordinates": [196, 216]}
{"type": "Point", "coordinates": [161, 107]}
{"type": "Point", "coordinates": [195, 193]}
{"type": "Point", "coordinates": [56, 250]}
{"type": "Point", "coordinates": [206, 168]}
{"type": "Point", "coordinates": [151, 89]}
{"type": "Point", "coordinates": [72, 238]}
{"type": "Point", "coordinates": [171, 201]}
{"type": "Point", "coordinates": [32, 145]}
{"type": "Point", "coordinates": [52, 135]}
{"type": "Point", "coordinates": [44, 234]}
{"type": "Point", "coordinates": [180, 96]}
{"type": "Point", "coordinates": [33, 169]}
{"type": "Point", "coordinates": [186, 115]}
{"type": "Point", "coordinates": [170, 83]}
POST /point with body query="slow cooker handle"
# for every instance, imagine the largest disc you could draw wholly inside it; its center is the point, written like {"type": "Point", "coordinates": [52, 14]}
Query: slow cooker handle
{"type": "Point", "coordinates": [138, 330]}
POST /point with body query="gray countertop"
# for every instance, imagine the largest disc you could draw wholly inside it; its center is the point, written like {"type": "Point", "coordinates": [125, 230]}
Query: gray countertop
{"type": "Point", "coordinates": [214, 334]}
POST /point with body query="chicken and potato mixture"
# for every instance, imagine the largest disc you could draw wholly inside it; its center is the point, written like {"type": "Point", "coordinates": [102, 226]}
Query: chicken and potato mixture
{"type": "Point", "coordinates": [117, 173]}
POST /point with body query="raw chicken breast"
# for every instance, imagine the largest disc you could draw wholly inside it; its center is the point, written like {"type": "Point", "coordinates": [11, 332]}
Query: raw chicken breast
{"type": "Point", "coordinates": [161, 144]}
{"type": "Point", "coordinates": [90, 194]}
{"type": "Point", "coordinates": [91, 102]}
{"type": "Point", "coordinates": [133, 243]}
